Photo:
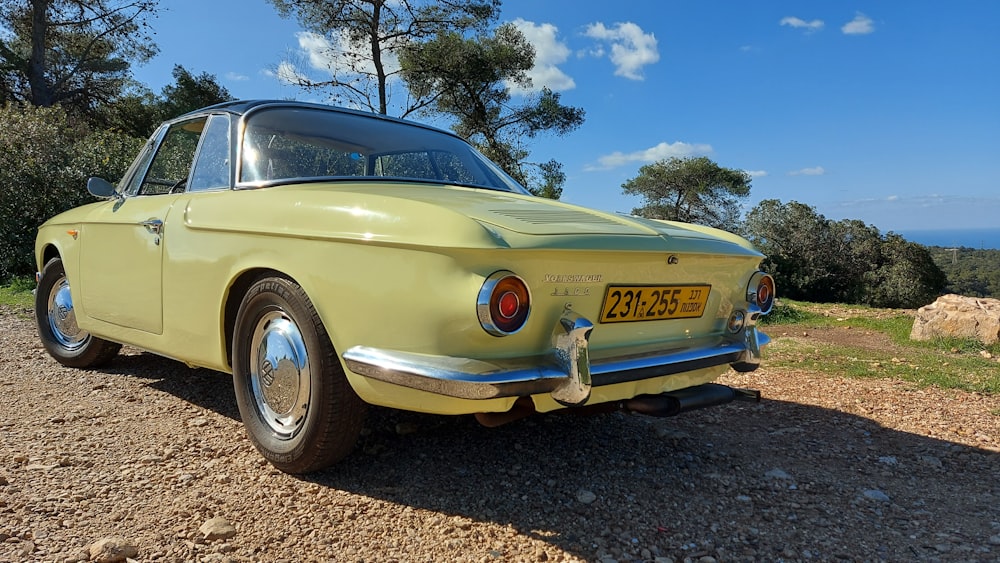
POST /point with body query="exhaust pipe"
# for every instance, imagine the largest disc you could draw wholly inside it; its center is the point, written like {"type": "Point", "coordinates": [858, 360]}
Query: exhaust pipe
{"type": "Point", "coordinates": [673, 403]}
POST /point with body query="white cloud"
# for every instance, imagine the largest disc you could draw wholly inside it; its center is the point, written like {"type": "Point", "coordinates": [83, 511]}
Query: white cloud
{"type": "Point", "coordinates": [797, 23]}
{"type": "Point", "coordinates": [756, 173]}
{"type": "Point", "coordinates": [338, 55]}
{"type": "Point", "coordinates": [549, 52]}
{"type": "Point", "coordinates": [860, 25]}
{"type": "Point", "coordinates": [288, 74]}
{"type": "Point", "coordinates": [236, 77]}
{"type": "Point", "coordinates": [631, 49]}
{"type": "Point", "coordinates": [815, 171]}
{"type": "Point", "coordinates": [892, 198]}
{"type": "Point", "coordinates": [652, 154]}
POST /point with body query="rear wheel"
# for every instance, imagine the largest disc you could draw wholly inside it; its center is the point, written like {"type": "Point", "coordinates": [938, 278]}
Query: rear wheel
{"type": "Point", "coordinates": [57, 328]}
{"type": "Point", "coordinates": [299, 410]}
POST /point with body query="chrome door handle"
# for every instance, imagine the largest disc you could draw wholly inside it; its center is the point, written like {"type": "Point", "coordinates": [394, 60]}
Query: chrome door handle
{"type": "Point", "coordinates": [153, 226]}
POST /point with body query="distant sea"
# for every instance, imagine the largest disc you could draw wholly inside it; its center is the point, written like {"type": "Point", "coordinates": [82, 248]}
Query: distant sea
{"type": "Point", "coordinates": [954, 238]}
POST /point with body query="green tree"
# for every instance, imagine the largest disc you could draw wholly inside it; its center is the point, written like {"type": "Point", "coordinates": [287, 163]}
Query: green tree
{"type": "Point", "coordinates": [46, 164]}
{"type": "Point", "coordinates": [365, 36]}
{"type": "Point", "coordinates": [139, 112]}
{"type": "Point", "coordinates": [74, 53]}
{"type": "Point", "coordinates": [906, 276]}
{"type": "Point", "coordinates": [190, 92]}
{"type": "Point", "coordinates": [692, 189]}
{"type": "Point", "coordinates": [970, 271]}
{"type": "Point", "coordinates": [855, 248]}
{"type": "Point", "coordinates": [796, 241]}
{"type": "Point", "coordinates": [468, 79]}
{"type": "Point", "coordinates": [552, 180]}
{"type": "Point", "coordinates": [816, 259]}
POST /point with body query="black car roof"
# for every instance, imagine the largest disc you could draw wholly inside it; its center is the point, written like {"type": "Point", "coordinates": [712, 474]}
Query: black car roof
{"type": "Point", "coordinates": [240, 107]}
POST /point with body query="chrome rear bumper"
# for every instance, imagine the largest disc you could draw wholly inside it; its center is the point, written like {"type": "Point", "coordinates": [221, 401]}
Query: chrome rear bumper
{"type": "Point", "coordinates": [567, 372]}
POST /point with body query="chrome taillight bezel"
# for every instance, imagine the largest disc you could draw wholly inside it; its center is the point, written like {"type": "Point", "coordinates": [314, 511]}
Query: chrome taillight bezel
{"type": "Point", "coordinates": [496, 286]}
{"type": "Point", "coordinates": [761, 292]}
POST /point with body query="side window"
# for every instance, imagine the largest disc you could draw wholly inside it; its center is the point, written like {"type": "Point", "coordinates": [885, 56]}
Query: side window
{"type": "Point", "coordinates": [211, 171]}
{"type": "Point", "coordinates": [137, 170]}
{"type": "Point", "coordinates": [172, 163]}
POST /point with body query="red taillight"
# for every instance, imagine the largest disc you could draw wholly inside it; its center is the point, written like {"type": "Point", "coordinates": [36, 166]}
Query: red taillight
{"type": "Point", "coordinates": [508, 305]}
{"type": "Point", "coordinates": [503, 304]}
{"type": "Point", "coordinates": [761, 292]}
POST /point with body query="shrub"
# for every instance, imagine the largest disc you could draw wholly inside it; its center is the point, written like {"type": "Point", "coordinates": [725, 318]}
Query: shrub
{"type": "Point", "coordinates": [47, 161]}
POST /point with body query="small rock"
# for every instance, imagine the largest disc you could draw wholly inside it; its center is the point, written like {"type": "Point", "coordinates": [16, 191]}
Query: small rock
{"type": "Point", "coordinates": [27, 548]}
{"type": "Point", "coordinates": [986, 354]}
{"type": "Point", "coordinates": [586, 497]}
{"type": "Point", "coordinates": [876, 495]}
{"type": "Point", "coordinates": [112, 550]}
{"type": "Point", "coordinates": [41, 467]}
{"type": "Point", "coordinates": [671, 433]}
{"type": "Point", "coordinates": [932, 461]}
{"type": "Point", "coordinates": [888, 460]}
{"type": "Point", "coordinates": [407, 428]}
{"type": "Point", "coordinates": [217, 528]}
{"type": "Point", "coordinates": [777, 474]}
{"type": "Point", "coordinates": [3, 481]}
{"type": "Point", "coordinates": [995, 540]}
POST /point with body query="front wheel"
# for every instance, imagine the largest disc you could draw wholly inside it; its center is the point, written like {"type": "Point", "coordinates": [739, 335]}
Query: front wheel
{"type": "Point", "coordinates": [56, 317]}
{"type": "Point", "coordinates": [299, 410]}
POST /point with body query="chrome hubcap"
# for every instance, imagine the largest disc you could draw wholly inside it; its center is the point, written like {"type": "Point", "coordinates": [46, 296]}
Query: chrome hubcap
{"type": "Point", "coordinates": [62, 317]}
{"type": "Point", "coordinates": [279, 373]}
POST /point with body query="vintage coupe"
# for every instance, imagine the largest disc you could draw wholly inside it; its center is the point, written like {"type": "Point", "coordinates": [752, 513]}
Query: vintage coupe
{"type": "Point", "coordinates": [328, 258]}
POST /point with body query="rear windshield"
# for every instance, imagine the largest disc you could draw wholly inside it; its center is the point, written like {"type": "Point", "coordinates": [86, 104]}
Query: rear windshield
{"type": "Point", "coordinates": [284, 143]}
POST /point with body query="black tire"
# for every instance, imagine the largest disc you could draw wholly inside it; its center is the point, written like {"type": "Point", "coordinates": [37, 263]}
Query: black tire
{"type": "Point", "coordinates": [57, 328]}
{"type": "Point", "coordinates": [298, 408]}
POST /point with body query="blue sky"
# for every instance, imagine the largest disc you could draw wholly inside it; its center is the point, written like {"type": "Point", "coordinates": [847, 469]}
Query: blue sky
{"type": "Point", "coordinates": [888, 112]}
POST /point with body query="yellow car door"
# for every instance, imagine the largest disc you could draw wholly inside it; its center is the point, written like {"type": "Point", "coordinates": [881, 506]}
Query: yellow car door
{"type": "Point", "coordinates": [122, 262]}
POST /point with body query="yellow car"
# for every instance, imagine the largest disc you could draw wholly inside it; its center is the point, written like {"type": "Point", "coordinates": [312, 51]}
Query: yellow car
{"type": "Point", "coordinates": [330, 259]}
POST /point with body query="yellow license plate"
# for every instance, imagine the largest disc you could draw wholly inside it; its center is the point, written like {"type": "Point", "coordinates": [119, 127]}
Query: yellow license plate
{"type": "Point", "coordinates": [625, 303]}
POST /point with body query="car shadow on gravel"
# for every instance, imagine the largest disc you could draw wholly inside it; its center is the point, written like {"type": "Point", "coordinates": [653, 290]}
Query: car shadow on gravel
{"type": "Point", "coordinates": [776, 480]}
{"type": "Point", "coordinates": [772, 481]}
{"type": "Point", "coordinates": [205, 388]}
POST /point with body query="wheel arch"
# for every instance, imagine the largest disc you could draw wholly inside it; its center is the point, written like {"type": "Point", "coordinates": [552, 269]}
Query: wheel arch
{"type": "Point", "coordinates": [237, 290]}
{"type": "Point", "coordinates": [48, 252]}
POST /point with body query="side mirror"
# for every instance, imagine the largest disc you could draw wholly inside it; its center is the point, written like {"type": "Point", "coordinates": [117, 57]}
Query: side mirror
{"type": "Point", "coordinates": [100, 187]}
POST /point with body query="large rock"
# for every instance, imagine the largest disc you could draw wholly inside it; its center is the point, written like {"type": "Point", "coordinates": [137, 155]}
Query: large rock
{"type": "Point", "coordinates": [960, 317]}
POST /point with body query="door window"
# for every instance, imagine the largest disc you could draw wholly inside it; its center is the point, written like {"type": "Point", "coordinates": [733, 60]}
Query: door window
{"type": "Point", "coordinates": [171, 166]}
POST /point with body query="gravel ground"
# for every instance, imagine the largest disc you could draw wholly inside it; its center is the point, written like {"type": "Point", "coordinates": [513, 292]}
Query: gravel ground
{"type": "Point", "coordinates": [149, 456]}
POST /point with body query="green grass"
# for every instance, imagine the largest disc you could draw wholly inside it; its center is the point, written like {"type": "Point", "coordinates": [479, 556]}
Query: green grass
{"type": "Point", "coordinates": [950, 363]}
{"type": "Point", "coordinates": [17, 293]}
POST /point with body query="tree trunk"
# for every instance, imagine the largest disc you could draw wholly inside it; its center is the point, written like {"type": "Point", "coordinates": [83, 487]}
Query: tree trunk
{"type": "Point", "coordinates": [383, 102]}
{"type": "Point", "coordinates": [41, 93]}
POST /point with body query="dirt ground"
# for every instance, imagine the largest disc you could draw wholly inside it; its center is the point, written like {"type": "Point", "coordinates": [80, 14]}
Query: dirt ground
{"type": "Point", "coordinates": [153, 454]}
